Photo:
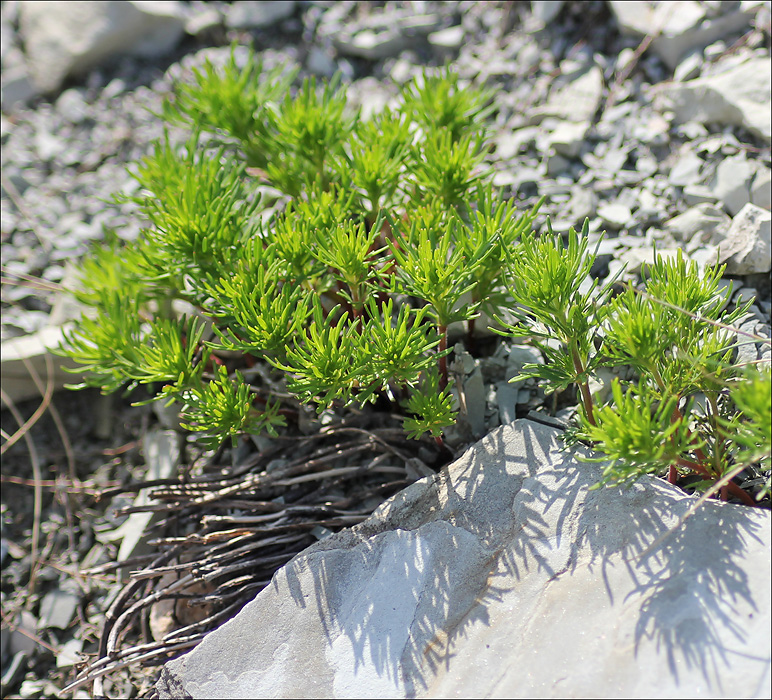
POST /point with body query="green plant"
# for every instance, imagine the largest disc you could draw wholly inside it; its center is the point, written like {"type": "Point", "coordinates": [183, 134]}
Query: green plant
{"type": "Point", "coordinates": [678, 413]}
{"type": "Point", "coordinates": [319, 289]}
{"type": "Point", "coordinates": [386, 233]}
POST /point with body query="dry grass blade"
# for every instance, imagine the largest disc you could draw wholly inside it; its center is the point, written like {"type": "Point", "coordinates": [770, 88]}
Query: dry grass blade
{"type": "Point", "coordinates": [56, 417]}
{"type": "Point", "coordinates": [225, 534]}
{"type": "Point", "coordinates": [30, 281]}
{"type": "Point", "coordinates": [37, 489]}
{"type": "Point", "coordinates": [135, 655]}
{"type": "Point", "coordinates": [39, 411]}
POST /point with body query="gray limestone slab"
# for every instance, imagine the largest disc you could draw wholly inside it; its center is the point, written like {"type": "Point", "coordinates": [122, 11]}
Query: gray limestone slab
{"type": "Point", "coordinates": [504, 575]}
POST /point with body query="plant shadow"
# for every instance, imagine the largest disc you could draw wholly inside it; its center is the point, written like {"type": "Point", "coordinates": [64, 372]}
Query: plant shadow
{"type": "Point", "coordinates": [400, 595]}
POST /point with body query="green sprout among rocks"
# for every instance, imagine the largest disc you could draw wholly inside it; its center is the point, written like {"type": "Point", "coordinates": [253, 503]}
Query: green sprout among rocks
{"type": "Point", "coordinates": [339, 250]}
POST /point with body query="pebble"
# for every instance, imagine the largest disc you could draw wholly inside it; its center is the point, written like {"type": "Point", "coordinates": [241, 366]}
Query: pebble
{"type": "Point", "coordinates": [699, 194]}
{"type": "Point", "coordinates": [686, 171]}
{"type": "Point", "coordinates": [72, 106]}
{"type": "Point", "coordinates": [705, 221]}
{"type": "Point", "coordinates": [25, 622]}
{"type": "Point", "coordinates": [449, 38]}
{"type": "Point", "coordinates": [761, 189]}
{"type": "Point", "coordinates": [731, 184]}
{"type": "Point", "coordinates": [746, 249]}
{"type": "Point", "coordinates": [57, 608]}
{"type": "Point", "coordinates": [615, 214]}
{"type": "Point", "coordinates": [69, 653]}
{"type": "Point", "coordinates": [252, 14]}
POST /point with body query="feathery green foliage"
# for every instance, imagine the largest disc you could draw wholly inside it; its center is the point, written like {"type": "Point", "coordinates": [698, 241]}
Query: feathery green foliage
{"type": "Point", "coordinates": [388, 231]}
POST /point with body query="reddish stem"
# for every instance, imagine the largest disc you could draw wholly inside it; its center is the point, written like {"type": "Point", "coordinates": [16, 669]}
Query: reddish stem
{"type": "Point", "coordinates": [583, 388]}
{"type": "Point", "coordinates": [443, 358]}
{"type": "Point", "coordinates": [470, 340]}
{"type": "Point", "coordinates": [730, 488]}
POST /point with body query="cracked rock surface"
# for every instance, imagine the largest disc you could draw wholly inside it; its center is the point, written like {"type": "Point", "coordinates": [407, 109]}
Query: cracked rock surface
{"type": "Point", "coordinates": [505, 576]}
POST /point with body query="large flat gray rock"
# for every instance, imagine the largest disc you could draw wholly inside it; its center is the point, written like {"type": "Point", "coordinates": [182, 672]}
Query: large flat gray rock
{"type": "Point", "coordinates": [62, 39]}
{"type": "Point", "coordinates": [505, 576]}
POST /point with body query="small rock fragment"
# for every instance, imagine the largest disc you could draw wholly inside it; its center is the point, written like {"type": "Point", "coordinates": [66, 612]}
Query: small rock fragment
{"type": "Point", "coordinates": [746, 248]}
{"type": "Point", "coordinates": [450, 38]}
{"type": "Point", "coordinates": [567, 139]}
{"type": "Point", "coordinates": [761, 189]}
{"type": "Point", "coordinates": [615, 215]}
{"type": "Point", "coordinates": [69, 654]}
{"type": "Point", "coordinates": [251, 14]}
{"type": "Point", "coordinates": [732, 182]}
{"type": "Point", "coordinates": [705, 222]}
{"type": "Point", "coordinates": [739, 96]}
{"type": "Point", "coordinates": [686, 171]}
{"type": "Point", "coordinates": [699, 194]}
{"type": "Point", "coordinates": [57, 608]}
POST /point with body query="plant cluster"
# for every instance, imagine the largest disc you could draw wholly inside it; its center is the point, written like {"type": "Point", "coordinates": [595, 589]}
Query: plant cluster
{"type": "Point", "coordinates": [339, 250]}
{"type": "Point", "coordinates": [689, 408]}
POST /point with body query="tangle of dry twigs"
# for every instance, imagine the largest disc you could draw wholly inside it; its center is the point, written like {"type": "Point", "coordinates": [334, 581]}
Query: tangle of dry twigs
{"type": "Point", "coordinates": [221, 535]}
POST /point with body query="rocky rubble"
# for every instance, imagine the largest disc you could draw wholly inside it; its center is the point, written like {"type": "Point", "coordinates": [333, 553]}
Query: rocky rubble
{"type": "Point", "coordinates": [650, 119]}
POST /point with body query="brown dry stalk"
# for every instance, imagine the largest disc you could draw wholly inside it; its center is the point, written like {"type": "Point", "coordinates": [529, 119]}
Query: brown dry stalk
{"type": "Point", "coordinates": [38, 477]}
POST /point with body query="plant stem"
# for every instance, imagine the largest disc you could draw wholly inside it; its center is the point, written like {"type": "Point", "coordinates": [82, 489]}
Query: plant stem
{"type": "Point", "coordinates": [718, 452]}
{"type": "Point", "coordinates": [470, 335]}
{"type": "Point", "coordinates": [443, 330]}
{"type": "Point", "coordinates": [731, 487]}
{"type": "Point", "coordinates": [583, 388]}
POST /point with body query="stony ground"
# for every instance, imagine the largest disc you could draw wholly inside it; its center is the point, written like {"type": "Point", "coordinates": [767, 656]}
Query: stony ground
{"type": "Point", "coordinates": [600, 147]}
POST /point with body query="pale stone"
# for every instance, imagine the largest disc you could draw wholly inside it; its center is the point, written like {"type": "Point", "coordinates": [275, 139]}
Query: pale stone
{"type": "Point", "coordinates": [704, 222]}
{"type": "Point", "coordinates": [34, 349]}
{"type": "Point", "coordinates": [615, 214]}
{"type": "Point", "coordinates": [474, 402]}
{"type": "Point", "coordinates": [761, 189]}
{"type": "Point", "coordinates": [505, 576]}
{"type": "Point", "coordinates": [509, 143]}
{"type": "Point", "coordinates": [686, 170]}
{"type": "Point", "coordinates": [738, 96]}
{"type": "Point", "coordinates": [321, 62]}
{"type": "Point", "coordinates": [732, 182]}
{"type": "Point", "coordinates": [383, 35]}
{"type": "Point", "coordinates": [689, 67]}
{"type": "Point", "coordinates": [568, 138]}
{"type": "Point", "coordinates": [582, 204]}
{"type": "Point", "coordinates": [449, 38]}
{"type": "Point", "coordinates": [746, 249]}
{"type": "Point", "coordinates": [556, 165]}
{"type": "Point", "coordinates": [546, 10]}
{"type": "Point", "coordinates": [372, 45]}
{"type": "Point", "coordinates": [208, 18]}
{"type": "Point", "coordinates": [69, 654]}
{"type": "Point", "coordinates": [258, 13]}
{"type": "Point", "coordinates": [679, 26]}
{"type": "Point", "coordinates": [58, 607]}
{"type": "Point", "coordinates": [506, 399]}
{"type": "Point", "coordinates": [574, 98]}
{"type": "Point", "coordinates": [64, 39]}
{"type": "Point", "coordinates": [17, 87]}
{"type": "Point", "coordinates": [699, 194]}
{"type": "Point", "coordinates": [636, 258]}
